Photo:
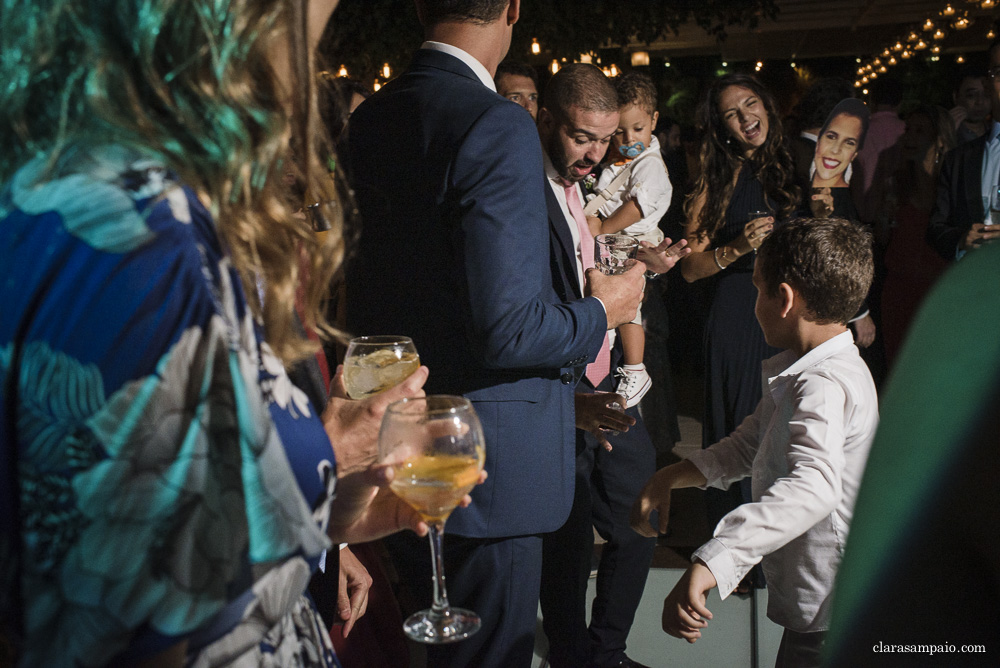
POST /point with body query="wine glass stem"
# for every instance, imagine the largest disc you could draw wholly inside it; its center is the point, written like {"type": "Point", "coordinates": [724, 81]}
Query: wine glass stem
{"type": "Point", "coordinates": [440, 608]}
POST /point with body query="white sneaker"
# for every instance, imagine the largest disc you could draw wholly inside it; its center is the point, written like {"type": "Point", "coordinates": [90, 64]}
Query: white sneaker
{"type": "Point", "coordinates": [633, 385]}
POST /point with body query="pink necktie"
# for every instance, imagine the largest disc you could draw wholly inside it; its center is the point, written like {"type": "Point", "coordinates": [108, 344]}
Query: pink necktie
{"type": "Point", "coordinates": [599, 368]}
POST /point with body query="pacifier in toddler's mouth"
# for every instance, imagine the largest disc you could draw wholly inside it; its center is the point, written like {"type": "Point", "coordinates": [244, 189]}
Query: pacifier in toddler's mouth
{"type": "Point", "coordinates": [632, 150]}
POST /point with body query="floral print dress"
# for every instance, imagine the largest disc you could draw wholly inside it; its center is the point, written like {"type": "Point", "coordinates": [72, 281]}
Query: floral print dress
{"type": "Point", "coordinates": [161, 479]}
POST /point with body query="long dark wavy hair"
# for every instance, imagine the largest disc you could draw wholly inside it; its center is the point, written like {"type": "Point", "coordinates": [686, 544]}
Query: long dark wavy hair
{"type": "Point", "coordinates": [722, 157]}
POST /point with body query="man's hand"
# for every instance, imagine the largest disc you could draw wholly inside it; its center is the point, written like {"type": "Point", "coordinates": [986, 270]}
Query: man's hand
{"type": "Point", "coordinates": [353, 426]}
{"type": "Point", "coordinates": [684, 611]}
{"type": "Point", "coordinates": [595, 414]}
{"type": "Point", "coordinates": [620, 294]}
{"type": "Point", "coordinates": [662, 258]}
{"type": "Point", "coordinates": [352, 589]}
{"type": "Point", "coordinates": [978, 235]}
{"type": "Point", "coordinates": [821, 202]}
{"type": "Point", "coordinates": [864, 331]}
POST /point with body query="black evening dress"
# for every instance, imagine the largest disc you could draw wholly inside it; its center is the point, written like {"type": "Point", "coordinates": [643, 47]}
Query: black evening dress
{"type": "Point", "coordinates": [734, 342]}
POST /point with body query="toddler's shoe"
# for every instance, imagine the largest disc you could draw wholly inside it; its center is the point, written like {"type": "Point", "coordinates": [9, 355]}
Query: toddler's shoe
{"type": "Point", "coordinates": [633, 385]}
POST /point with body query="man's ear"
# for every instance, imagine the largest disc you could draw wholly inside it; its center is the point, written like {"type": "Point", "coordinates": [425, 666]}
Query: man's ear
{"type": "Point", "coordinates": [790, 299]}
{"type": "Point", "coordinates": [513, 12]}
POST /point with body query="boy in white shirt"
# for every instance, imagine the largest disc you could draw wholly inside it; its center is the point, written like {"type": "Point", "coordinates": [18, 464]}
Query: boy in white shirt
{"type": "Point", "coordinates": [636, 207]}
{"type": "Point", "coordinates": [805, 445]}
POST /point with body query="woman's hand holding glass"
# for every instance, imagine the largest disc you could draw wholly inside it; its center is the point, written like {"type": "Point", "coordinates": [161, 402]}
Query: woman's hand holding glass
{"type": "Point", "coordinates": [760, 225]}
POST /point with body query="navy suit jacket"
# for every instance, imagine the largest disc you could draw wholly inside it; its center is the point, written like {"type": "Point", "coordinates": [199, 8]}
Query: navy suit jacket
{"type": "Point", "coordinates": [959, 197]}
{"type": "Point", "coordinates": [454, 252]}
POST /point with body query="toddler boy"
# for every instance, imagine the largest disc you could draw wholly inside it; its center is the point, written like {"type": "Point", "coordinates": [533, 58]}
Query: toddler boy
{"type": "Point", "coordinates": [635, 207]}
{"type": "Point", "coordinates": [804, 446]}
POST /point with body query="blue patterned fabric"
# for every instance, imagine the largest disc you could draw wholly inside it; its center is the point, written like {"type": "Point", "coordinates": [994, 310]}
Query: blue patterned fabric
{"type": "Point", "coordinates": [145, 428]}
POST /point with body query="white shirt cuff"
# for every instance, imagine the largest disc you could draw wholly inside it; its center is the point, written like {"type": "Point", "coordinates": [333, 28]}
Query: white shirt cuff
{"type": "Point", "coordinates": [716, 556]}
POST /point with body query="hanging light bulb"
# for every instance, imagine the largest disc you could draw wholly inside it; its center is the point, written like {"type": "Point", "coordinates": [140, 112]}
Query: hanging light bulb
{"type": "Point", "coordinates": [991, 34]}
{"type": "Point", "coordinates": [857, 84]}
{"type": "Point", "coordinates": [725, 64]}
{"type": "Point", "coordinates": [920, 45]}
{"type": "Point", "coordinates": [939, 34]}
{"type": "Point", "coordinates": [893, 61]}
{"type": "Point", "coordinates": [928, 25]}
{"type": "Point", "coordinates": [960, 60]}
{"type": "Point", "coordinates": [614, 70]}
{"type": "Point", "coordinates": [935, 49]}
{"type": "Point", "coordinates": [554, 67]}
{"type": "Point", "coordinates": [898, 46]}
{"type": "Point", "coordinates": [861, 71]}
{"type": "Point", "coordinates": [948, 11]}
{"type": "Point", "coordinates": [868, 67]}
{"type": "Point", "coordinates": [607, 72]}
{"type": "Point", "coordinates": [586, 58]}
{"type": "Point", "coordinates": [961, 23]}
{"type": "Point", "coordinates": [913, 36]}
{"type": "Point", "coordinates": [342, 72]}
{"type": "Point", "coordinates": [864, 79]}
{"type": "Point", "coordinates": [877, 62]}
{"type": "Point", "coordinates": [536, 48]}
{"type": "Point", "coordinates": [883, 69]}
{"type": "Point", "coordinates": [386, 71]}
{"type": "Point", "coordinates": [988, 4]}
{"type": "Point", "coordinates": [376, 86]}
{"type": "Point", "coordinates": [864, 91]}
{"type": "Point", "coordinates": [906, 54]}
{"type": "Point", "coordinates": [886, 53]}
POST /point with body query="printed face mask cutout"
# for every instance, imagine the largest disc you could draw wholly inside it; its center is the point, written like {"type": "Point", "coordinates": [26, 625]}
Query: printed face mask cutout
{"type": "Point", "coordinates": [838, 144]}
{"type": "Point", "coordinates": [632, 150]}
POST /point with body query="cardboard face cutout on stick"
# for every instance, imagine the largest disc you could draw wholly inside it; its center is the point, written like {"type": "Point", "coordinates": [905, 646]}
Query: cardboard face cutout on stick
{"type": "Point", "coordinates": [838, 144]}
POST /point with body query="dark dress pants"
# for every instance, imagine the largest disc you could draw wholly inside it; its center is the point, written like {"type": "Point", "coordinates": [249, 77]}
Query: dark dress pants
{"type": "Point", "coordinates": [607, 483]}
{"type": "Point", "coordinates": [497, 578]}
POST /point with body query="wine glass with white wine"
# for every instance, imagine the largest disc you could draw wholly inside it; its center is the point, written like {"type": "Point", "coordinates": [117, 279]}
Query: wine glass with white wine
{"type": "Point", "coordinates": [436, 448]}
{"type": "Point", "coordinates": [373, 364]}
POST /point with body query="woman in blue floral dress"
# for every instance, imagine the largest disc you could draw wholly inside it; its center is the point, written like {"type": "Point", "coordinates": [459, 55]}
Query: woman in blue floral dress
{"type": "Point", "coordinates": [165, 491]}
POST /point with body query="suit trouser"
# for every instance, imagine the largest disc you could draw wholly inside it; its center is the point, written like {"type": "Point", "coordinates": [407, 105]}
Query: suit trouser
{"type": "Point", "coordinates": [607, 484]}
{"type": "Point", "coordinates": [497, 578]}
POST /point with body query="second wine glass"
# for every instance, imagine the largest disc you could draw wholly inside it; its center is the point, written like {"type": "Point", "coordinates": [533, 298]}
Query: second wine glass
{"type": "Point", "coordinates": [373, 364]}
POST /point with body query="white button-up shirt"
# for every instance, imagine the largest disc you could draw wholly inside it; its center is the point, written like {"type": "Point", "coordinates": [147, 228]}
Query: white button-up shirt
{"type": "Point", "coordinates": [477, 67]}
{"type": "Point", "coordinates": [805, 448]}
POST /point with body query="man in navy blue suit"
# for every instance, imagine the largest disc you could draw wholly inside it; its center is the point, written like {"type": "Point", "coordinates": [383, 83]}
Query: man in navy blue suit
{"type": "Point", "coordinates": [454, 252]}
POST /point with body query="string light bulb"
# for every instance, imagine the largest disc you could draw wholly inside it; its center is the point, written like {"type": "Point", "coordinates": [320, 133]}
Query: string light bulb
{"type": "Point", "coordinates": [883, 69]}
{"type": "Point", "coordinates": [920, 45]}
{"type": "Point", "coordinates": [960, 59]}
{"type": "Point", "coordinates": [386, 71]}
{"type": "Point", "coordinates": [961, 23]}
{"type": "Point", "coordinates": [898, 46]}
{"type": "Point", "coordinates": [935, 49]}
{"type": "Point", "coordinates": [928, 25]}
{"type": "Point", "coordinates": [913, 36]}
{"type": "Point", "coordinates": [906, 54]}
{"type": "Point", "coordinates": [536, 48]}
{"type": "Point", "coordinates": [948, 11]}
{"type": "Point", "coordinates": [554, 67]}
{"type": "Point", "coordinates": [893, 61]}
{"type": "Point", "coordinates": [376, 86]}
{"type": "Point", "coordinates": [988, 4]}
{"type": "Point", "coordinates": [991, 34]}
{"type": "Point", "coordinates": [342, 72]}
{"type": "Point", "coordinates": [939, 34]}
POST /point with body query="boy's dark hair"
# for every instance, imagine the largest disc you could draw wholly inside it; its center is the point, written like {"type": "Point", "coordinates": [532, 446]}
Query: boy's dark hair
{"type": "Point", "coordinates": [638, 89]}
{"type": "Point", "coordinates": [828, 260]}
{"type": "Point", "coordinates": [465, 11]}
{"type": "Point", "coordinates": [579, 85]}
{"type": "Point", "coordinates": [516, 68]}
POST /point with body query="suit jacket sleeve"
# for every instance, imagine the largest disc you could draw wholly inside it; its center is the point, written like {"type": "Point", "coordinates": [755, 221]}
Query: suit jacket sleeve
{"type": "Point", "coordinates": [516, 319]}
{"type": "Point", "coordinates": [943, 230]}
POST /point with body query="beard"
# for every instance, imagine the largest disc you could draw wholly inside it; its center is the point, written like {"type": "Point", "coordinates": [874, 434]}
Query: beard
{"type": "Point", "coordinates": [561, 162]}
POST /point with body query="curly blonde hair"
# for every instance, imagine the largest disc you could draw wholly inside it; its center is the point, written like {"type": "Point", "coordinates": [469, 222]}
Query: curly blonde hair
{"type": "Point", "coordinates": [192, 82]}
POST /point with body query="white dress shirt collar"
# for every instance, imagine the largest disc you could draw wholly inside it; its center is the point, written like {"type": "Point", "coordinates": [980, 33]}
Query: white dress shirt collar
{"type": "Point", "coordinates": [994, 132]}
{"type": "Point", "coordinates": [783, 366]}
{"type": "Point", "coordinates": [465, 57]}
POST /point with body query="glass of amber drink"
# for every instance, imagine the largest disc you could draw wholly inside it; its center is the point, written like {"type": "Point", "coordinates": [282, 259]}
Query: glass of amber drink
{"type": "Point", "coordinates": [436, 448]}
{"type": "Point", "coordinates": [373, 364]}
